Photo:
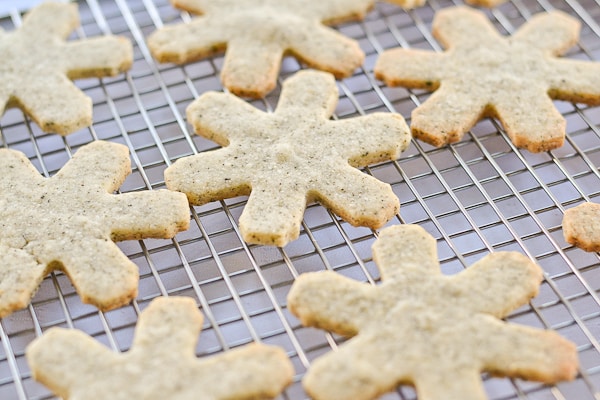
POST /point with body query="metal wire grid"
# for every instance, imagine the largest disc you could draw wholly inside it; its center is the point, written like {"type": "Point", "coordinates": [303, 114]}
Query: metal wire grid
{"type": "Point", "coordinates": [476, 196]}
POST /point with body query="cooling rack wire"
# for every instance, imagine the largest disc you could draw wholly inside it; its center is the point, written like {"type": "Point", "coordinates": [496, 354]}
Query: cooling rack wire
{"type": "Point", "coordinates": [476, 196]}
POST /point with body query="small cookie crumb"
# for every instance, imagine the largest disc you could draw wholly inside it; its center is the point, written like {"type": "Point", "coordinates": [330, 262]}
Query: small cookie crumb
{"type": "Point", "coordinates": [581, 226]}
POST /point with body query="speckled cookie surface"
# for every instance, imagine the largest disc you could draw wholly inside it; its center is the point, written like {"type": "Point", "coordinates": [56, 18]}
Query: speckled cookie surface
{"type": "Point", "coordinates": [420, 327]}
{"type": "Point", "coordinates": [482, 73]}
{"type": "Point", "coordinates": [161, 363]}
{"type": "Point", "coordinates": [256, 35]}
{"type": "Point", "coordinates": [292, 156]}
{"type": "Point", "coordinates": [581, 226]}
{"type": "Point", "coordinates": [37, 65]}
{"type": "Point", "coordinates": [68, 222]}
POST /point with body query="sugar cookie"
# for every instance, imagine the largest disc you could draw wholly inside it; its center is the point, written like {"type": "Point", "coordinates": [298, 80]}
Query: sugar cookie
{"type": "Point", "coordinates": [484, 74]}
{"type": "Point", "coordinates": [161, 363]}
{"type": "Point", "coordinates": [256, 35]}
{"type": "Point", "coordinates": [290, 157]}
{"type": "Point", "coordinates": [68, 222]}
{"type": "Point", "coordinates": [37, 65]}
{"type": "Point", "coordinates": [423, 328]}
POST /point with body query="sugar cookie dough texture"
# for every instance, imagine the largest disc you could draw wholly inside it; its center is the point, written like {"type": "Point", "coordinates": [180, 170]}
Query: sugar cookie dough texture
{"type": "Point", "coordinates": [37, 65]}
{"type": "Point", "coordinates": [420, 327]}
{"type": "Point", "coordinates": [161, 363]}
{"type": "Point", "coordinates": [484, 74]}
{"type": "Point", "coordinates": [68, 222]}
{"type": "Point", "coordinates": [256, 35]}
{"type": "Point", "coordinates": [290, 157]}
{"type": "Point", "coordinates": [581, 226]}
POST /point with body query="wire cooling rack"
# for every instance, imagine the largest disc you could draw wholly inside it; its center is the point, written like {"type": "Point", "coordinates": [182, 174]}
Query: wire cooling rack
{"type": "Point", "coordinates": [476, 196]}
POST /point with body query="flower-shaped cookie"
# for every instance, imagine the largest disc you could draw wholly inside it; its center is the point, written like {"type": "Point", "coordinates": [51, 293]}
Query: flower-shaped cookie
{"type": "Point", "coordinates": [68, 222]}
{"type": "Point", "coordinates": [258, 34]}
{"type": "Point", "coordinates": [420, 327]}
{"type": "Point", "coordinates": [290, 157]}
{"type": "Point", "coordinates": [581, 226]}
{"type": "Point", "coordinates": [161, 363]}
{"type": "Point", "coordinates": [37, 65]}
{"type": "Point", "coordinates": [484, 74]}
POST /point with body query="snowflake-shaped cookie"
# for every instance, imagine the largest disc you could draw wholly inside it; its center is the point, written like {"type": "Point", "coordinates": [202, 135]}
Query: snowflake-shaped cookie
{"type": "Point", "coordinates": [37, 65]}
{"type": "Point", "coordinates": [484, 74]}
{"type": "Point", "coordinates": [68, 222]}
{"type": "Point", "coordinates": [161, 363]}
{"type": "Point", "coordinates": [420, 327]}
{"type": "Point", "coordinates": [290, 157]}
{"type": "Point", "coordinates": [581, 226]}
{"type": "Point", "coordinates": [257, 35]}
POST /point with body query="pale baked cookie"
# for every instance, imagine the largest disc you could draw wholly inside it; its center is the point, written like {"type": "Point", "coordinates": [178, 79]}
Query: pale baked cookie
{"type": "Point", "coordinates": [581, 226]}
{"type": "Point", "coordinates": [256, 35]}
{"type": "Point", "coordinates": [485, 3]}
{"type": "Point", "coordinates": [407, 4]}
{"type": "Point", "coordinates": [68, 222]}
{"type": "Point", "coordinates": [37, 64]}
{"type": "Point", "coordinates": [423, 328]}
{"type": "Point", "coordinates": [484, 74]}
{"type": "Point", "coordinates": [290, 157]}
{"type": "Point", "coordinates": [161, 363]}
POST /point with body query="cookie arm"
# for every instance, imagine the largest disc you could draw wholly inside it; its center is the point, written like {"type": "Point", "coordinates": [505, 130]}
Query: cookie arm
{"type": "Point", "coordinates": [328, 50]}
{"type": "Point", "coordinates": [310, 93]}
{"type": "Point", "coordinates": [447, 115]}
{"type": "Point", "coordinates": [255, 371]}
{"type": "Point", "coordinates": [525, 352]}
{"type": "Point", "coordinates": [329, 301]}
{"type": "Point", "coordinates": [100, 272]}
{"type": "Point", "coordinates": [53, 19]}
{"type": "Point", "coordinates": [369, 139]}
{"type": "Point", "coordinates": [222, 117]}
{"type": "Point", "coordinates": [412, 68]}
{"type": "Point", "coordinates": [55, 104]}
{"type": "Point", "coordinates": [157, 214]}
{"type": "Point", "coordinates": [5, 96]}
{"type": "Point", "coordinates": [554, 32]}
{"type": "Point", "coordinates": [405, 251]}
{"type": "Point", "coordinates": [338, 11]}
{"type": "Point", "coordinates": [500, 282]}
{"type": "Point", "coordinates": [20, 276]}
{"type": "Point", "coordinates": [462, 25]}
{"type": "Point", "coordinates": [15, 168]}
{"type": "Point", "coordinates": [358, 198]}
{"type": "Point", "coordinates": [361, 369]}
{"type": "Point", "coordinates": [210, 176]}
{"type": "Point", "coordinates": [99, 163]}
{"type": "Point", "coordinates": [581, 226]}
{"type": "Point", "coordinates": [182, 43]}
{"type": "Point", "coordinates": [247, 74]}
{"type": "Point", "coordinates": [452, 383]}
{"type": "Point", "coordinates": [97, 57]}
{"type": "Point", "coordinates": [273, 214]}
{"type": "Point", "coordinates": [574, 80]}
{"type": "Point", "coordinates": [530, 119]}
{"type": "Point", "coordinates": [168, 329]}
{"type": "Point", "coordinates": [65, 359]}
{"type": "Point", "coordinates": [199, 6]}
